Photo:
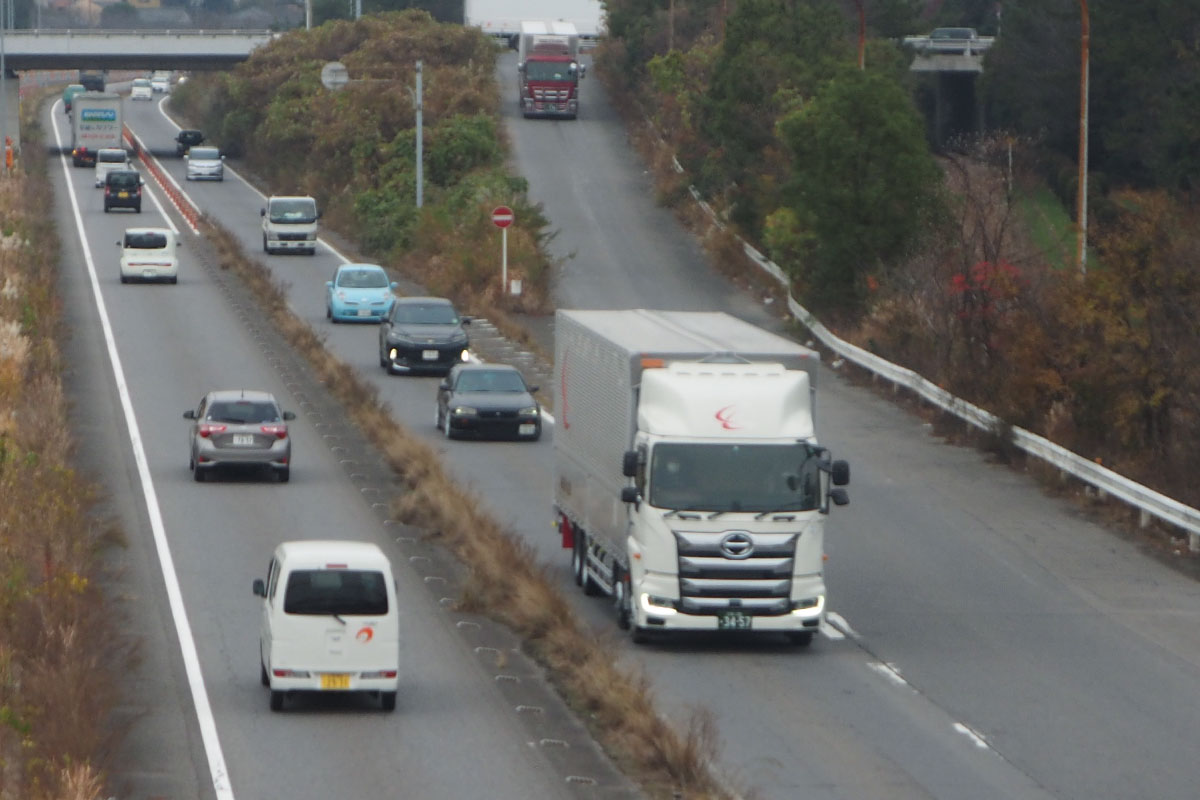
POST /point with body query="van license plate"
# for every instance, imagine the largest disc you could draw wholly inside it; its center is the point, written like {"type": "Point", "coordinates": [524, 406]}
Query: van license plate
{"type": "Point", "coordinates": [733, 621]}
{"type": "Point", "coordinates": [429, 355]}
{"type": "Point", "coordinates": [122, 194]}
{"type": "Point", "coordinates": [335, 680]}
{"type": "Point", "coordinates": [243, 439]}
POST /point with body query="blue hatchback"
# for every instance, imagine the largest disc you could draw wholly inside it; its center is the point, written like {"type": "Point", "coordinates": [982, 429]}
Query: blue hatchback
{"type": "Point", "coordinates": [359, 293]}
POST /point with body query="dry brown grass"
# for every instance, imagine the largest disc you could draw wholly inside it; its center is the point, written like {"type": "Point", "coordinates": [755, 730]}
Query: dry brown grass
{"type": "Point", "coordinates": [58, 652]}
{"type": "Point", "coordinates": [505, 580]}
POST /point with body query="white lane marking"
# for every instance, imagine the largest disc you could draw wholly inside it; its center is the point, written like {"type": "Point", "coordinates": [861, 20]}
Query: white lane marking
{"type": "Point", "coordinates": [838, 623]}
{"type": "Point", "coordinates": [976, 738]}
{"type": "Point", "coordinates": [191, 659]}
{"type": "Point", "coordinates": [890, 672]}
{"type": "Point", "coordinates": [235, 174]}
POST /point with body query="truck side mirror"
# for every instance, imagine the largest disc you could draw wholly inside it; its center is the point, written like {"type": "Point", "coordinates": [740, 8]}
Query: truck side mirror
{"type": "Point", "coordinates": [839, 496]}
{"type": "Point", "coordinates": [260, 588]}
{"type": "Point", "coordinates": [520, 66]}
{"type": "Point", "coordinates": [840, 473]}
{"type": "Point", "coordinates": [629, 494]}
{"type": "Point", "coordinates": [629, 463]}
{"type": "Point", "coordinates": [262, 212]}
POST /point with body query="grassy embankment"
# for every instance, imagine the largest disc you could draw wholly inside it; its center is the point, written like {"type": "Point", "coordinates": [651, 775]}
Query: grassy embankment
{"type": "Point", "coordinates": [58, 659]}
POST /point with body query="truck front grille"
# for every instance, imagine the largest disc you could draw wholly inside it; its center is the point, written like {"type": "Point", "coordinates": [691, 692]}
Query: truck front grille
{"type": "Point", "coordinates": [758, 581]}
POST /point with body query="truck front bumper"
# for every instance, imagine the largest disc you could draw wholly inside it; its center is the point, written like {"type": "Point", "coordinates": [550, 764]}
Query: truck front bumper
{"type": "Point", "coordinates": [534, 108]}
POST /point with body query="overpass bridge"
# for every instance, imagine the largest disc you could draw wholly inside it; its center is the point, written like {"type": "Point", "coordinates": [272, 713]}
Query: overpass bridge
{"type": "Point", "coordinates": [181, 49]}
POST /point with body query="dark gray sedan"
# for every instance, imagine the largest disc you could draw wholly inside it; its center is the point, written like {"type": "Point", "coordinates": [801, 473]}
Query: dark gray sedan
{"type": "Point", "coordinates": [236, 427]}
{"type": "Point", "coordinates": [488, 400]}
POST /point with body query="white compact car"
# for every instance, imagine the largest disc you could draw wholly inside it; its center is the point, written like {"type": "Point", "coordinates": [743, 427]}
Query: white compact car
{"type": "Point", "coordinates": [141, 89]}
{"type": "Point", "coordinates": [109, 159]}
{"type": "Point", "coordinates": [148, 254]}
{"type": "Point", "coordinates": [205, 163]}
{"type": "Point", "coordinates": [160, 81]}
{"type": "Point", "coordinates": [329, 621]}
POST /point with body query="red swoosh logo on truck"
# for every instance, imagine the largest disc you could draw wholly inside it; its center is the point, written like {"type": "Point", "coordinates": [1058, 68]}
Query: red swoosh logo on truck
{"type": "Point", "coordinates": [725, 417]}
{"type": "Point", "coordinates": [365, 635]}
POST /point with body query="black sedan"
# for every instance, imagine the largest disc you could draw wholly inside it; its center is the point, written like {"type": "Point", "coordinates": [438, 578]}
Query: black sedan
{"type": "Point", "coordinates": [488, 400]}
{"type": "Point", "coordinates": [422, 334]}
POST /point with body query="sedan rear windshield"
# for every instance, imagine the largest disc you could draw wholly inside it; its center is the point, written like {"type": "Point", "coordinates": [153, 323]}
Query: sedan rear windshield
{"type": "Point", "coordinates": [242, 412]}
{"type": "Point", "coordinates": [145, 241]}
{"type": "Point", "coordinates": [342, 592]}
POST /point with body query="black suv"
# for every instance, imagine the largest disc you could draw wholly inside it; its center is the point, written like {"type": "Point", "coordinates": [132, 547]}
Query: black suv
{"type": "Point", "coordinates": [187, 139]}
{"type": "Point", "coordinates": [422, 334]}
{"type": "Point", "coordinates": [123, 189]}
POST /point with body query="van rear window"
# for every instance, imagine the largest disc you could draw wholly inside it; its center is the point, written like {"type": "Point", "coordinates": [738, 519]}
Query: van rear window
{"type": "Point", "coordinates": [321, 592]}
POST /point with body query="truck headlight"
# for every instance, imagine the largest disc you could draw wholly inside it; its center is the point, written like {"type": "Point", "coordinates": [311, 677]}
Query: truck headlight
{"type": "Point", "coordinates": [808, 602]}
{"type": "Point", "coordinates": [653, 604]}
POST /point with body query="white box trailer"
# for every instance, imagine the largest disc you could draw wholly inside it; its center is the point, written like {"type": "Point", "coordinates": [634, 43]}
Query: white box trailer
{"type": "Point", "coordinates": [503, 17]}
{"type": "Point", "coordinates": [96, 124]}
{"type": "Point", "coordinates": [689, 484]}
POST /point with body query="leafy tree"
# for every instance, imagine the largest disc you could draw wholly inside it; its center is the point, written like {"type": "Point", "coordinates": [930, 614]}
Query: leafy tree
{"type": "Point", "coordinates": [864, 186]}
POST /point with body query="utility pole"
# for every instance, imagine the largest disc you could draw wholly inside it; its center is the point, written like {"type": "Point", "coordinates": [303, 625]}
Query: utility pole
{"type": "Point", "coordinates": [1081, 199]}
{"type": "Point", "coordinates": [420, 140]}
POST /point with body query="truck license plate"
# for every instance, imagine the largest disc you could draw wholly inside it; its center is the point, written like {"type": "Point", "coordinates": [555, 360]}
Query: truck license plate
{"type": "Point", "coordinates": [429, 355]}
{"type": "Point", "coordinates": [335, 680]}
{"type": "Point", "coordinates": [733, 621]}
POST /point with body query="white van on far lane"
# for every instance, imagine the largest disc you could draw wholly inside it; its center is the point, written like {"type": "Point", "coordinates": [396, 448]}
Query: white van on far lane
{"type": "Point", "coordinates": [329, 621]}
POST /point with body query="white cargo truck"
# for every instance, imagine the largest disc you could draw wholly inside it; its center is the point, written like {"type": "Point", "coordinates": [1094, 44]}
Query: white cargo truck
{"type": "Point", "coordinates": [688, 483]}
{"type": "Point", "coordinates": [502, 18]}
{"type": "Point", "coordinates": [96, 123]}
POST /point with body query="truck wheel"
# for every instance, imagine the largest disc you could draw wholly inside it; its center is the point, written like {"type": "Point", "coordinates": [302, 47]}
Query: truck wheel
{"type": "Point", "coordinates": [387, 701]}
{"type": "Point", "coordinates": [621, 598]}
{"type": "Point", "coordinates": [801, 638]}
{"type": "Point", "coordinates": [276, 701]}
{"type": "Point", "coordinates": [262, 677]}
{"type": "Point", "coordinates": [577, 558]}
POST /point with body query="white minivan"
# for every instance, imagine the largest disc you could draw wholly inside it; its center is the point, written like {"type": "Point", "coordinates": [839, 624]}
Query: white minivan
{"type": "Point", "coordinates": [329, 621]}
{"type": "Point", "coordinates": [289, 224]}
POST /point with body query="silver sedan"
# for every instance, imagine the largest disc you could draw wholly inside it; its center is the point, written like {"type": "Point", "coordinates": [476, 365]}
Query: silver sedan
{"type": "Point", "coordinates": [239, 427]}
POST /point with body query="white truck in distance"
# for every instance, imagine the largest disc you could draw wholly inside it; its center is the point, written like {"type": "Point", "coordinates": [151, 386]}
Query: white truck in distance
{"type": "Point", "coordinates": [688, 483]}
{"type": "Point", "coordinates": [503, 18]}
{"type": "Point", "coordinates": [548, 69]}
{"type": "Point", "coordinates": [95, 124]}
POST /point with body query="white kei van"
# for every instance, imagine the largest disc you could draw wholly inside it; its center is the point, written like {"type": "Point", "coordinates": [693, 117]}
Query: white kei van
{"type": "Point", "coordinates": [148, 254]}
{"type": "Point", "coordinates": [329, 621]}
{"type": "Point", "coordinates": [289, 224]}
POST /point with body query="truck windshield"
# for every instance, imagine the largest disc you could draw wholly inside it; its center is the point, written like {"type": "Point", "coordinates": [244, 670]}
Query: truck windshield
{"type": "Point", "coordinates": [734, 477]}
{"type": "Point", "coordinates": [302, 211]}
{"type": "Point", "coordinates": [549, 71]}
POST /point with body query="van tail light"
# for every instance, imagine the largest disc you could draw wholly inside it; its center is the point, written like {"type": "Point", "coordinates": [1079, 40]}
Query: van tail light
{"type": "Point", "coordinates": [381, 673]}
{"type": "Point", "coordinates": [207, 429]}
{"type": "Point", "coordinates": [290, 673]}
{"type": "Point", "coordinates": [278, 431]}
